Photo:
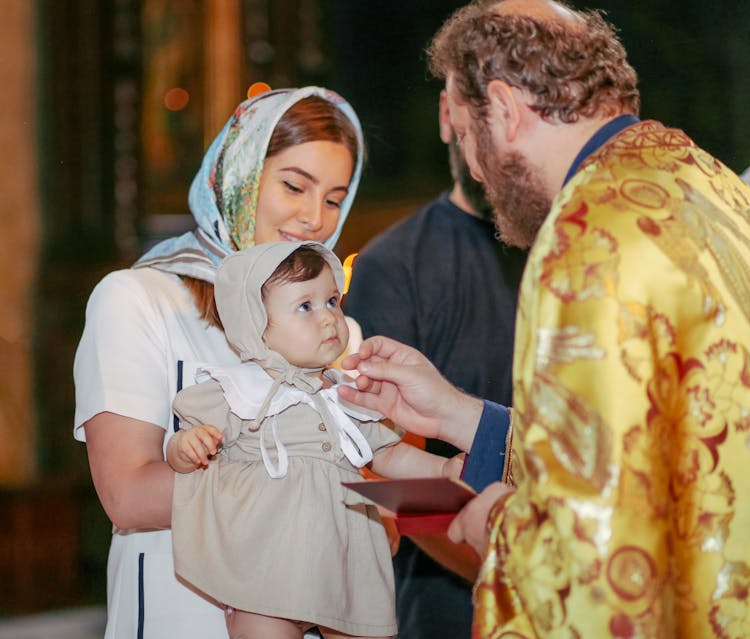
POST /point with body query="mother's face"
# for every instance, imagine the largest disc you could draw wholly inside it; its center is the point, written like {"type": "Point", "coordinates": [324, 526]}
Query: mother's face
{"type": "Point", "coordinates": [301, 191]}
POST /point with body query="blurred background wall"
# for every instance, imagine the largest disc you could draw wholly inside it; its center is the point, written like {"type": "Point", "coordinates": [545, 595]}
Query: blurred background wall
{"type": "Point", "coordinates": [107, 109]}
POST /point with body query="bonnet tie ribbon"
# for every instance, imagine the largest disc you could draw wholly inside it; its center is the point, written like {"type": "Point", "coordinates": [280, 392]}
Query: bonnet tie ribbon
{"type": "Point", "coordinates": [339, 424]}
{"type": "Point", "coordinates": [352, 441]}
{"type": "Point", "coordinates": [294, 377]}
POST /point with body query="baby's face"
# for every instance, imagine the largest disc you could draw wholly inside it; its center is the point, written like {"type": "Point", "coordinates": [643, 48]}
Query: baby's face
{"type": "Point", "coordinates": [305, 321]}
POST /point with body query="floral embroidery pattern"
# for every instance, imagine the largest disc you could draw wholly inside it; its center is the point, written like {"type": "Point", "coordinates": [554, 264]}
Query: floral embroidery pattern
{"type": "Point", "coordinates": [631, 416]}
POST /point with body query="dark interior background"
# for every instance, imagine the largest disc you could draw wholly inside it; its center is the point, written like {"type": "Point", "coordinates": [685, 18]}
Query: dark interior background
{"type": "Point", "coordinates": [101, 204]}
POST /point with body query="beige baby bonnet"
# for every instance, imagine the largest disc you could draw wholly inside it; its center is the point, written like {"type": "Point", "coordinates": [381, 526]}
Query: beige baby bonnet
{"type": "Point", "coordinates": [239, 279]}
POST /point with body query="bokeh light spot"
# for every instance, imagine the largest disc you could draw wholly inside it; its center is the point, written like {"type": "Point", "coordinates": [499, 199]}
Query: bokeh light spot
{"type": "Point", "coordinates": [176, 99]}
{"type": "Point", "coordinates": [257, 88]}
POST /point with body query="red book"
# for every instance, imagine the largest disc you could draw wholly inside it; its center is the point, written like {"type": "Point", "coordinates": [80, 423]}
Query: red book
{"type": "Point", "coordinates": [421, 506]}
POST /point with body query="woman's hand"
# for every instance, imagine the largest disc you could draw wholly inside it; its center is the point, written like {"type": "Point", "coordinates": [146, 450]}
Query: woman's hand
{"type": "Point", "coordinates": [401, 383]}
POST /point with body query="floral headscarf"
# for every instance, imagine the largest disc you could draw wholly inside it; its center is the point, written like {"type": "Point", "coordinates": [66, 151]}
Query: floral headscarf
{"type": "Point", "coordinates": [224, 194]}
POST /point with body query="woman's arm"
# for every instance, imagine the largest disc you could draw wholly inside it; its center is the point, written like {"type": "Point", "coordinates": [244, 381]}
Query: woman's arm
{"type": "Point", "coordinates": [133, 481]}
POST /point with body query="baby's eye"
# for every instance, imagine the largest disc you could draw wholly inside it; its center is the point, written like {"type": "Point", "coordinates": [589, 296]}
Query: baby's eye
{"type": "Point", "coordinates": [292, 187]}
{"type": "Point", "coordinates": [305, 307]}
{"type": "Point", "coordinates": [333, 302]}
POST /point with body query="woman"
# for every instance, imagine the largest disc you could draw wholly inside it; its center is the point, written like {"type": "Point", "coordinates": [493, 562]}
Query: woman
{"type": "Point", "coordinates": [285, 167]}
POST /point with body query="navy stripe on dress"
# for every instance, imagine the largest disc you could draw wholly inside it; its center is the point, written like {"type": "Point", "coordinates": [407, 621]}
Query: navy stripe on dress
{"type": "Point", "coordinates": [141, 598]}
{"type": "Point", "coordinates": [175, 420]}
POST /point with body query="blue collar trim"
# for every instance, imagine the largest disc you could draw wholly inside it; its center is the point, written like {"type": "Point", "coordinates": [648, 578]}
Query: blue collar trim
{"type": "Point", "coordinates": [609, 130]}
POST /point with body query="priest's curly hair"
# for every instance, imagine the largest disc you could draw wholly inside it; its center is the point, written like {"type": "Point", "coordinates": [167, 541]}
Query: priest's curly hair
{"type": "Point", "coordinates": [571, 68]}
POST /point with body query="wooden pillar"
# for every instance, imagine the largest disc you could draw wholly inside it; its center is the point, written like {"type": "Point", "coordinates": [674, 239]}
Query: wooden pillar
{"type": "Point", "coordinates": [19, 241]}
{"type": "Point", "coordinates": [223, 64]}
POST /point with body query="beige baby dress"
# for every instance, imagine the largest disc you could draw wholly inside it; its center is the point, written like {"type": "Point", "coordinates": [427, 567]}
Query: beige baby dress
{"type": "Point", "coordinates": [268, 527]}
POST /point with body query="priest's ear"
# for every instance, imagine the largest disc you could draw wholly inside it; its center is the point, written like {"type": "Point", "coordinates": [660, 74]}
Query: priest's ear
{"type": "Point", "coordinates": [504, 108]}
{"type": "Point", "coordinates": [446, 130]}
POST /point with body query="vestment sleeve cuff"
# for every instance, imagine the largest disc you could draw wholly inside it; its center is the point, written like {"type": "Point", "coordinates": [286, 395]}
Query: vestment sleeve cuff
{"type": "Point", "coordinates": [486, 462]}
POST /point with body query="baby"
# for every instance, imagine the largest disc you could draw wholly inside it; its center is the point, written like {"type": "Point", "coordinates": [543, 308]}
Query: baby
{"type": "Point", "coordinates": [260, 519]}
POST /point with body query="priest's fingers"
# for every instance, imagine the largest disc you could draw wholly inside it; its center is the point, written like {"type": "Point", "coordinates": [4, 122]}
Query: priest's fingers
{"type": "Point", "coordinates": [471, 524]}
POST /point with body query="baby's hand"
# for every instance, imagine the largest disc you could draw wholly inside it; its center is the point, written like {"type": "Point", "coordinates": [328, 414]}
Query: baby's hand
{"type": "Point", "coordinates": [453, 466]}
{"type": "Point", "coordinates": [197, 444]}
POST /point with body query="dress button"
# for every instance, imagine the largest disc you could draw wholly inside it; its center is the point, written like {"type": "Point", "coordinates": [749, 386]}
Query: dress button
{"type": "Point", "coordinates": [321, 426]}
{"type": "Point", "coordinates": [326, 446]}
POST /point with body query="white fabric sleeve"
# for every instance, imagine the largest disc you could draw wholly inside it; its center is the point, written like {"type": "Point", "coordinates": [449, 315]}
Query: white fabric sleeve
{"type": "Point", "coordinates": [121, 361]}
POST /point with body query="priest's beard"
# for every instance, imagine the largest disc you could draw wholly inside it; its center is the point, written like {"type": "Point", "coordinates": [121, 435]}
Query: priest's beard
{"type": "Point", "coordinates": [473, 190]}
{"type": "Point", "coordinates": [514, 191]}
